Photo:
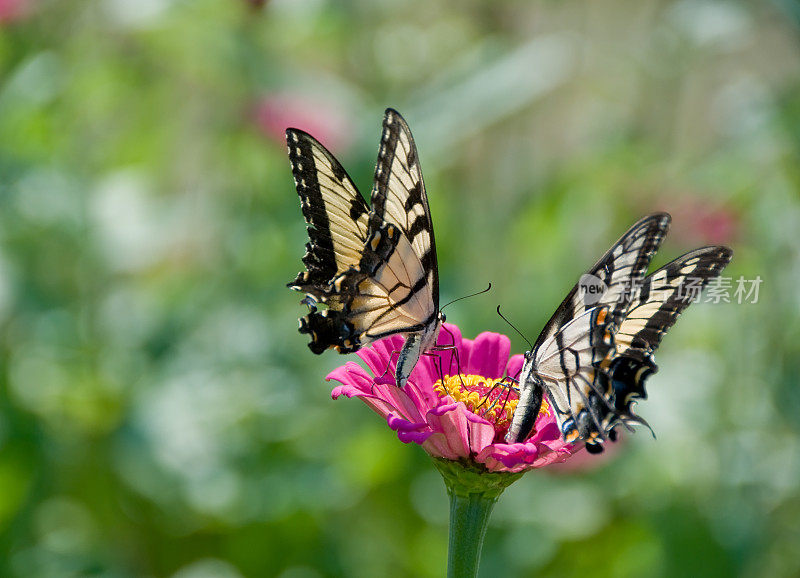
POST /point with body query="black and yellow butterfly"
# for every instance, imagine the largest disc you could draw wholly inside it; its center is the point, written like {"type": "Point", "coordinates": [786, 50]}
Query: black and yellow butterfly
{"type": "Point", "coordinates": [373, 268]}
{"type": "Point", "coordinates": [595, 353]}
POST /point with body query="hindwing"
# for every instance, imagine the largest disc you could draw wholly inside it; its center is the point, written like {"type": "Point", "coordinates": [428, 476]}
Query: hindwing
{"type": "Point", "coordinates": [565, 367]}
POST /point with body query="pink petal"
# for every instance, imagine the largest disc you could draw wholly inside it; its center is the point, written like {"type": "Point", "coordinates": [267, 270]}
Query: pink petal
{"type": "Point", "coordinates": [449, 336]}
{"type": "Point", "coordinates": [436, 445]}
{"type": "Point", "coordinates": [515, 365]}
{"type": "Point", "coordinates": [508, 457]}
{"type": "Point", "coordinates": [383, 399]}
{"type": "Point", "coordinates": [489, 355]}
{"type": "Point", "coordinates": [381, 356]}
{"type": "Point", "coordinates": [409, 431]}
{"type": "Point", "coordinates": [464, 432]}
{"type": "Point", "coordinates": [446, 419]}
{"type": "Point", "coordinates": [351, 376]}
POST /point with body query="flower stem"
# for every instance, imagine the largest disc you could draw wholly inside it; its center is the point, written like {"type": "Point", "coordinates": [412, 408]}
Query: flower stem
{"type": "Point", "coordinates": [473, 493]}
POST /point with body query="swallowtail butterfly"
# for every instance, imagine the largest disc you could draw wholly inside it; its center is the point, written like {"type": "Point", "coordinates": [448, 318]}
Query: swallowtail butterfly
{"type": "Point", "coordinates": [595, 353]}
{"type": "Point", "coordinates": [374, 268]}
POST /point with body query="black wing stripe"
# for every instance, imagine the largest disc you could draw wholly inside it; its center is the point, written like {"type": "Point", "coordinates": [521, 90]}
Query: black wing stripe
{"type": "Point", "coordinates": [334, 210]}
{"type": "Point", "coordinates": [663, 297]}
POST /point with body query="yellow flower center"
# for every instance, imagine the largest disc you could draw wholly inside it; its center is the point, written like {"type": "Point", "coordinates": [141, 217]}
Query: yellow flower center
{"type": "Point", "coordinates": [492, 399]}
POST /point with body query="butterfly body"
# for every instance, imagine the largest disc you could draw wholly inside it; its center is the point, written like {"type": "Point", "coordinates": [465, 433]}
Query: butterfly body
{"type": "Point", "coordinates": [594, 355]}
{"type": "Point", "coordinates": [374, 268]}
{"type": "Point", "coordinates": [416, 344]}
{"type": "Point", "coordinates": [575, 350]}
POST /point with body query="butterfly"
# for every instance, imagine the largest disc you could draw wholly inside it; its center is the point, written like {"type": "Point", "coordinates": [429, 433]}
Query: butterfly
{"type": "Point", "coordinates": [595, 353]}
{"type": "Point", "coordinates": [373, 268]}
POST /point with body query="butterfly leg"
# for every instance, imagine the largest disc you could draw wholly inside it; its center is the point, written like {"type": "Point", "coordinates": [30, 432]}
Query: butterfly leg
{"type": "Point", "coordinates": [437, 363]}
{"type": "Point", "coordinates": [388, 365]}
{"type": "Point", "coordinates": [453, 358]}
{"type": "Point", "coordinates": [451, 347]}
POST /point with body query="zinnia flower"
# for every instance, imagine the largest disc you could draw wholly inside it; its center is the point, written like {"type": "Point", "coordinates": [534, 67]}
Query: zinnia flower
{"type": "Point", "coordinates": [463, 419]}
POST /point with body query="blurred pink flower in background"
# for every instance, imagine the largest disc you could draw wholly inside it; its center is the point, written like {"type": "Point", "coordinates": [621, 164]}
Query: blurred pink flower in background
{"type": "Point", "coordinates": [703, 221]}
{"type": "Point", "coordinates": [277, 111]}
{"type": "Point", "coordinates": [464, 418]}
{"type": "Point", "coordinates": [13, 10]}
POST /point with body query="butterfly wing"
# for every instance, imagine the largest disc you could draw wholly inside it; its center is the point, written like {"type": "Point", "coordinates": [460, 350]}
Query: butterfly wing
{"type": "Point", "coordinates": [393, 285]}
{"type": "Point", "coordinates": [399, 198]}
{"type": "Point", "coordinates": [334, 211]}
{"type": "Point", "coordinates": [658, 303]}
{"type": "Point", "coordinates": [593, 391]}
{"type": "Point", "coordinates": [664, 295]}
{"type": "Point", "coordinates": [566, 368]}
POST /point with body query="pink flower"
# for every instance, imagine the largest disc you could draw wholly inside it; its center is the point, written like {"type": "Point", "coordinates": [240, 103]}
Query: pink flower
{"type": "Point", "coordinates": [275, 112]}
{"type": "Point", "coordinates": [703, 221]}
{"type": "Point", "coordinates": [14, 10]}
{"type": "Point", "coordinates": [464, 418]}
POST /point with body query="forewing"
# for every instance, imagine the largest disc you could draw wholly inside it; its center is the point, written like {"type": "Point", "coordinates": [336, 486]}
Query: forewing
{"type": "Point", "coordinates": [620, 269]}
{"type": "Point", "coordinates": [663, 296]}
{"type": "Point", "coordinates": [335, 213]}
{"type": "Point", "coordinates": [399, 198]}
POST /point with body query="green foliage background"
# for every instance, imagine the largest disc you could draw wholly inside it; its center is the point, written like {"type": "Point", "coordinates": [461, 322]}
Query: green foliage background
{"type": "Point", "coordinates": [160, 415]}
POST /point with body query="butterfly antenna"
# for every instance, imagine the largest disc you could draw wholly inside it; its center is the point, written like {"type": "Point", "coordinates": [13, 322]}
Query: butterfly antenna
{"type": "Point", "coordinates": [467, 297]}
{"type": "Point", "coordinates": [513, 327]}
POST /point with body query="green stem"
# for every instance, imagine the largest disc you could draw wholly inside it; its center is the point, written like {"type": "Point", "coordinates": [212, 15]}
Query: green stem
{"type": "Point", "coordinates": [473, 493]}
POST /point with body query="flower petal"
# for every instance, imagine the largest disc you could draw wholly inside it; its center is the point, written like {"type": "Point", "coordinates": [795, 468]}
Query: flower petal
{"type": "Point", "coordinates": [488, 356]}
{"type": "Point", "coordinates": [383, 399]}
{"type": "Point", "coordinates": [409, 431]}
{"type": "Point", "coordinates": [465, 433]}
{"type": "Point", "coordinates": [515, 365]}
{"type": "Point", "coordinates": [381, 356]}
{"type": "Point", "coordinates": [509, 457]}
